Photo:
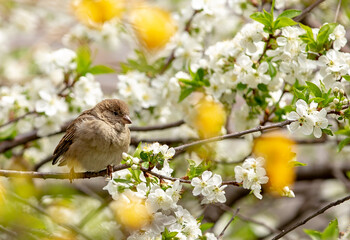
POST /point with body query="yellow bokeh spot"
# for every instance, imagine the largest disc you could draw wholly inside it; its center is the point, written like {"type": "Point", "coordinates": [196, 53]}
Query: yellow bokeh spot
{"type": "Point", "coordinates": [276, 149]}
{"type": "Point", "coordinates": [94, 13]}
{"type": "Point", "coordinates": [153, 26]}
{"type": "Point", "coordinates": [131, 212]}
{"type": "Point", "coordinates": [208, 118]}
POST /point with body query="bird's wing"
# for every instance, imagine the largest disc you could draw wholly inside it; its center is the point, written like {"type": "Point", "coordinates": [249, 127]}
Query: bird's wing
{"type": "Point", "coordinates": [64, 144]}
{"type": "Point", "coordinates": [68, 139]}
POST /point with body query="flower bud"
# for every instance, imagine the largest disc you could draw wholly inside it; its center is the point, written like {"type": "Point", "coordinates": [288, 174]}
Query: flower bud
{"type": "Point", "coordinates": [341, 91]}
{"type": "Point", "coordinates": [345, 101]}
{"type": "Point", "coordinates": [335, 100]}
{"type": "Point", "coordinates": [335, 90]}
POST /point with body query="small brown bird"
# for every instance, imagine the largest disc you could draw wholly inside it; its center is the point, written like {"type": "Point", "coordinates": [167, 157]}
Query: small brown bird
{"type": "Point", "coordinates": [96, 139]}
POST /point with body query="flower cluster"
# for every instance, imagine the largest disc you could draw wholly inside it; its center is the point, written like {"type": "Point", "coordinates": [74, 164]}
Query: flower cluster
{"type": "Point", "coordinates": [252, 174]}
{"type": "Point", "coordinates": [308, 119]}
{"type": "Point", "coordinates": [210, 187]}
{"type": "Point", "coordinates": [161, 196]}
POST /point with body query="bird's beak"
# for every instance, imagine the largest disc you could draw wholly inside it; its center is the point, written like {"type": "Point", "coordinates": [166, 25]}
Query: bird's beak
{"type": "Point", "coordinates": [126, 119]}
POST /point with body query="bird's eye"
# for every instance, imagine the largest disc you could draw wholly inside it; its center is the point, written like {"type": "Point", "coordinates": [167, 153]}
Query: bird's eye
{"type": "Point", "coordinates": [115, 113]}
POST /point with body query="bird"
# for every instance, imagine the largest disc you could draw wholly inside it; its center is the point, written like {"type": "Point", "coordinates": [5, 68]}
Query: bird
{"type": "Point", "coordinates": [96, 139]}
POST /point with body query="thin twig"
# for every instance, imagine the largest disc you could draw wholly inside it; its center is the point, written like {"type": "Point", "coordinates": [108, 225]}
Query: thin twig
{"type": "Point", "coordinates": [171, 58]}
{"type": "Point", "coordinates": [228, 224]}
{"type": "Point", "coordinates": [160, 176]}
{"type": "Point", "coordinates": [337, 12]}
{"type": "Point", "coordinates": [156, 127]}
{"type": "Point", "coordinates": [55, 175]}
{"type": "Point", "coordinates": [266, 46]}
{"type": "Point", "coordinates": [322, 210]}
{"type": "Point", "coordinates": [7, 231]}
{"type": "Point", "coordinates": [233, 135]}
{"type": "Point", "coordinates": [18, 118]}
{"type": "Point", "coordinates": [42, 211]}
{"type": "Point", "coordinates": [307, 10]}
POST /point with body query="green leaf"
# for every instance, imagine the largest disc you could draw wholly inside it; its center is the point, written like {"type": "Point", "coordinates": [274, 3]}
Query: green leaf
{"type": "Point", "coordinates": [317, 99]}
{"type": "Point", "coordinates": [263, 87]}
{"type": "Point", "coordinates": [9, 133]}
{"type": "Point", "coordinates": [120, 180]}
{"type": "Point", "coordinates": [323, 34]}
{"type": "Point", "coordinates": [205, 226]}
{"type": "Point", "coordinates": [138, 150]}
{"type": "Point", "coordinates": [299, 164]}
{"type": "Point", "coordinates": [195, 171]}
{"type": "Point", "coordinates": [241, 86]}
{"type": "Point", "coordinates": [327, 131]}
{"type": "Point", "coordinates": [166, 235]}
{"type": "Point", "coordinates": [346, 77]}
{"type": "Point", "coordinates": [83, 60]}
{"type": "Point", "coordinates": [283, 22]}
{"type": "Point", "coordinates": [315, 235]}
{"type": "Point", "coordinates": [100, 69]}
{"type": "Point", "coordinates": [314, 89]}
{"type": "Point", "coordinates": [272, 70]}
{"type": "Point", "coordinates": [345, 131]}
{"type": "Point", "coordinates": [8, 154]}
{"type": "Point", "coordinates": [185, 92]}
{"type": "Point", "coordinates": [190, 82]}
{"type": "Point", "coordinates": [343, 143]}
{"type": "Point", "coordinates": [299, 94]}
{"type": "Point", "coordinates": [290, 13]}
{"type": "Point", "coordinates": [332, 231]}
{"type": "Point", "coordinates": [348, 174]}
{"type": "Point", "coordinates": [261, 18]}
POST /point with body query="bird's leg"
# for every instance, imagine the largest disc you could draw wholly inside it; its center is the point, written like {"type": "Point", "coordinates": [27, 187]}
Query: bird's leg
{"type": "Point", "coordinates": [71, 175]}
{"type": "Point", "coordinates": [110, 171]}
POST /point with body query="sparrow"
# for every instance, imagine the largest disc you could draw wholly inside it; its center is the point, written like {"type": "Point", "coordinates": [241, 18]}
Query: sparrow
{"type": "Point", "coordinates": [96, 139]}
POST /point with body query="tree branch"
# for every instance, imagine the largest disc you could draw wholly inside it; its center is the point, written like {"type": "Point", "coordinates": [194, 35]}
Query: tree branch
{"type": "Point", "coordinates": [18, 118]}
{"type": "Point", "coordinates": [157, 127]}
{"type": "Point", "coordinates": [55, 175]}
{"type": "Point", "coordinates": [307, 10]}
{"type": "Point", "coordinates": [233, 135]}
{"type": "Point", "coordinates": [228, 224]}
{"type": "Point", "coordinates": [322, 210]}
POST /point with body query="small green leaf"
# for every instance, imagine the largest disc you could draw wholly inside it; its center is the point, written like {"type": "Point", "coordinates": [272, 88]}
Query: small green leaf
{"type": "Point", "coordinates": [272, 70]}
{"type": "Point", "coordinates": [290, 13]}
{"type": "Point", "coordinates": [261, 18]}
{"type": "Point", "coordinates": [315, 235]}
{"type": "Point", "coordinates": [314, 89]}
{"type": "Point", "coordinates": [343, 143]}
{"type": "Point", "coordinates": [327, 131]}
{"type": "Point", "coordinates": [8, 154]}
{"type": "Point", "coordinates": [332, 231]}
{"type": "Point", "coordinates": [263, 87]}
{"type": "Point", "coordinates": [190, 82]}
{"type": "Point", "coordinates": [185, 92]}
{"type": "Point", "coordinates": [138, 150]}
{"type": "Point", "coordinates": [346, 77]}
{"type": "Point", "coordinates": [299, 164]}
{"type": "Point", "coordinates": [205, 226]}
{"type": "Point", "coordinates": [241, 86]}
{"type": "Point", "coordinates": [299, 94]}
{"type": "Point", "coordinates": [121, 180]}
{"type": "Point", "coordinates": [284, 22]}
{"type": "Point", "coordinates": [83, 60]}
{"type": "Point", "coordinates": [323, 34]}
{"type": "Point", "coordinates": [345, 131]}
{"type": "Point", "coordinates": [9, 133]}
{"type": "Point", "coordinates": [100, 69]}
{"type": "Point", "coordinates": [348, 174]}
